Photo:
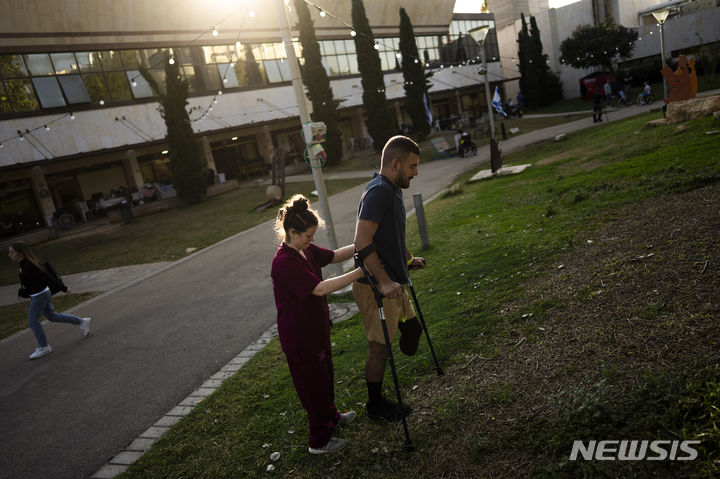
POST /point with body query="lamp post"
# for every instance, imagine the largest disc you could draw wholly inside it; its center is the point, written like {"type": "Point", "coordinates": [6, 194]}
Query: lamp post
{"type": "Point", "coordinates": [315, 164]}
{"type": "Point", "coordinates": [478, 34]}
{"type": "Point", "coordinates": [660, 17]}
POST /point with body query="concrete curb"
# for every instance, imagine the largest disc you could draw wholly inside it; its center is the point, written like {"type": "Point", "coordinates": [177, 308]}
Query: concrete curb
{"type": "Point", "coordinates": [119, 464]}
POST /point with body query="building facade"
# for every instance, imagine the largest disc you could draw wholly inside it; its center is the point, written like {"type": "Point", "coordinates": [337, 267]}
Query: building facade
{"type": "Point", "coordinates": [79, 124]}
{"type": "Point", "coordinates": [691, 25]}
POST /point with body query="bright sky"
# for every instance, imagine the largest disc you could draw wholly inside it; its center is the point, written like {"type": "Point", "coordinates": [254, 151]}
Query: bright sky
{"type": "Point", "coordinates": [467, 6]}
{"type": "Point", "coordinates": [473, 6]}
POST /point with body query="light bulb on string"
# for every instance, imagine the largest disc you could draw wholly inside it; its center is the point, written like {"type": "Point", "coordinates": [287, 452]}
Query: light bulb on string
{"type": "Point", "coordinates": [215, 32]}
{"type": "Point", "coordinates": [219, 92]}
{"type": "Point", "coordinates": [251, 13]}
{"type": "Point", "coordinates": [72, 116]}
{"type": "Point", "coordinates": [171, 61]}
{"type": "Point", "coordinates": [47, 128]}
{"type": "Point", "coordinates": [376, 46]}
{"type": "Point", "coordinates": [134, 83]}
{"type": "Point", "coordinates": [353, 33]}
{"type": "Point", "coordinates": [102, 102]}
{"type": "Point", "coordinates": [322, 13]}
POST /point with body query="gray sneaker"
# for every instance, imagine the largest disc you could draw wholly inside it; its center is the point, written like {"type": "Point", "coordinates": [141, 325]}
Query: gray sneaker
{"type": "Point", "coordinates": [40, 352]}
{"type": "Point", "coordinates": [346, 417]}
{"type": "Point", "coordinates": [85, 326]}
{"type": "Point", "coordinates": [333, 445]}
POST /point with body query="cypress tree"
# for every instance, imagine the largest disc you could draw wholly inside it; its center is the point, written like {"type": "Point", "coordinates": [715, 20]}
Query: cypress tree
{"type": "Point", "coordinates": [414, 76]}
{"type": "Point", "coordinates": [186, 161]}
{"type": "Point", "coordinates": [528, 80]}
{"type": "Point", "coordinates": [540, 85]}
{"type": "Point", "coordinates": [548, 84]}
{"type": "Point", "coordinates": [379, 121]}
{"type": "Point", "coordinates": [318, 85]}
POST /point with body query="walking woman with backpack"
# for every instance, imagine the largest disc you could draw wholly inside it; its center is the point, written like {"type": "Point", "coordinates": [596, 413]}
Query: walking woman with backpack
{"type": "Point", "coordinates": [39, 281]}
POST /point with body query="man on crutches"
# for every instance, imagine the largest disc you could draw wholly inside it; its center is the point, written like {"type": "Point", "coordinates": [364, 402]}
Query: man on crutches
{"type": "Point", "coordinates": [380, 245]}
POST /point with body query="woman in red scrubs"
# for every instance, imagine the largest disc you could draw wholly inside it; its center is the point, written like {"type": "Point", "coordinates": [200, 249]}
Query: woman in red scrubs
{"type": "Point", "coordinates": [304, 320]}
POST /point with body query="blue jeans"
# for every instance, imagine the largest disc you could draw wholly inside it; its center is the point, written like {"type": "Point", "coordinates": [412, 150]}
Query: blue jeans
{"type": "Point", "coordinates": [41, 305]}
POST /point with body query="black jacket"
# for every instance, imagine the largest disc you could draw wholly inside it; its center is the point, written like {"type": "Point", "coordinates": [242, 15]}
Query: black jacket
{"type": "Point", "coordinates": [33, 280]}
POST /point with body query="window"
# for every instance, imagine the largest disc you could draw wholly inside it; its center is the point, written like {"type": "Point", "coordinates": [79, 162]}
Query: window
{"type": "Point", "coordinates": [111, 60]}
{"type": "Point", "coordinates": [5, 106]}
{"type": "Point", "coordinates": [88, 62]}
{"type": "Point", "coordinates": [21, 95]}
{"type": "Point", "coordinates": [74, 89]}
{"type": "Point", "coordinates": [141, 89]}
{"type": "Point", "coordinates": [228, 75]}
{"type": "Point", "coordinates": [64, 63]}
{"type": "Point", "coordinates": [39, 64]}
{"type": "Point", "coordinates": [118, 87]}
{"type": "Point", "coordinates": [96, 87]}
{"type": "Point", "coordinates": [12, 66]}
{"type": "Point", "coordinates": [48, 92]}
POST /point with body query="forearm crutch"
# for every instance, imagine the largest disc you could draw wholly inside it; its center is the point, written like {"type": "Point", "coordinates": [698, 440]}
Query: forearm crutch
{"type": "Point", "coordinates": [439, 370]}
{"type": "Point", "coordinates": [378, 299]}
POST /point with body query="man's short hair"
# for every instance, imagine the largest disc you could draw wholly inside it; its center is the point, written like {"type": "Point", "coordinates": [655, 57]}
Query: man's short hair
{"type": "Point", "coordinates": [400, 147]}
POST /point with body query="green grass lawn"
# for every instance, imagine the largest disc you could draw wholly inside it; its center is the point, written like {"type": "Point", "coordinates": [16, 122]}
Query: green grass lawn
{"type": "Point", "coordinates": [165, 236]}
{"type": "Point", "coordinates": [492, 241]}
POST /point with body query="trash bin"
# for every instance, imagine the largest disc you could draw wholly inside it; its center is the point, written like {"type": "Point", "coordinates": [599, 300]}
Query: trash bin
{"type": "Point", "coordinates": [126, 210]}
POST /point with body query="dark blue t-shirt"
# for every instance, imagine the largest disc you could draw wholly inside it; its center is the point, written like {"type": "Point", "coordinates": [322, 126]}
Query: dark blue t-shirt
{"type": "Point", "coordinates": [382, 203]}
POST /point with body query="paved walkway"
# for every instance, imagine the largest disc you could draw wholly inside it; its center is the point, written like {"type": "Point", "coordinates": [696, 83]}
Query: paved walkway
{"type": "Point", "coordinates": [158, 338]}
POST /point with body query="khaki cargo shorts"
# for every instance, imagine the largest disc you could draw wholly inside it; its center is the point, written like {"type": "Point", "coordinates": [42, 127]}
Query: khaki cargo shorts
{"type": "Point", "coordinates": [397, 309]}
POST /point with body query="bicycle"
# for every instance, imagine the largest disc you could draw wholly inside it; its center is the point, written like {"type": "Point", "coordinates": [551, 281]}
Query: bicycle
{"type": "Point", "coordinates": [481, 131]}
{"type": "Point", "coordinates": [648, 100]}
{"type": "Point", "coordinates": [63, 220]}
{"type": "Point", "coordinates": [616, 101]}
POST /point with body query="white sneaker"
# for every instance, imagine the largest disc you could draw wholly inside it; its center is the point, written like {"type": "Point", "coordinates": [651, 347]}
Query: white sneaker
{"type": "Point", "coordinates": [333, 445]}
{"type": "Point", "coordinates": [346, 417]}
{"type": "Point", "coordinates": [40, 352]}
{"type": "Point", "coordinates": [85, 326]}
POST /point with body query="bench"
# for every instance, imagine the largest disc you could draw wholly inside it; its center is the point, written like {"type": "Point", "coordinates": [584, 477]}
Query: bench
{"type": "Point", "coordinates": [441, 147]}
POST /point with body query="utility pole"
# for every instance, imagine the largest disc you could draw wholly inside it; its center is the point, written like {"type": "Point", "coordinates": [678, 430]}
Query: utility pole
{"type": "Point", "coordinates": [315, 164]}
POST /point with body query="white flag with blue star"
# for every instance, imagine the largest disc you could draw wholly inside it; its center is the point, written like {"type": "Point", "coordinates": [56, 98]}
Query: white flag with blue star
{"type": "Point", "coordinates": [497, 103]}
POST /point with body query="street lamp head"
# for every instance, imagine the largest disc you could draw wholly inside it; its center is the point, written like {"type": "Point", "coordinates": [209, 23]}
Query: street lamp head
{"type": "Point", "coordinates": [479, 33]}
{"type": "Point", "coordinates": [661, 15]}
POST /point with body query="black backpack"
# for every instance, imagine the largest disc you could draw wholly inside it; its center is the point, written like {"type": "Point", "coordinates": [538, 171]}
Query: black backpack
{"type": "Point", "coordinates": [56, 283]}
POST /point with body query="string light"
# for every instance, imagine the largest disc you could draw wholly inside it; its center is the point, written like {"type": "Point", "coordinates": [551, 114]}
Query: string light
{"type": "Point", "coordinates": [215, 32]}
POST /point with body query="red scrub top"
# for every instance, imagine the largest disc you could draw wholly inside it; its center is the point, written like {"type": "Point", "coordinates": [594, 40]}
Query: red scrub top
{"type": "Point", "coordinates": [303, 318]}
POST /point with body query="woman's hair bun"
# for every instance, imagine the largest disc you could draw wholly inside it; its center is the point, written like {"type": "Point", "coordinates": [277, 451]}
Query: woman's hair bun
{"type": "Point", "coordinates": [300, 204]}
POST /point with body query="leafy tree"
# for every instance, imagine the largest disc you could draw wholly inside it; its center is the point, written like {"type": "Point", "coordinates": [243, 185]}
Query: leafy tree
{"type": "Point", "coordinates": [379, 121]}
{"type": "Point", "coordinates": [414, 76]}
{"type": "Point", "coordinates": [186, 160]}
{"type": "Point", "coordinates": [598, 45]}
{"type": "Point", "coordinates": [318, 84]}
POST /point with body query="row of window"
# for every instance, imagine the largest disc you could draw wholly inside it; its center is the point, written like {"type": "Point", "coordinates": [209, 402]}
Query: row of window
{"type": "Point", "coordinates": [30, 82]}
